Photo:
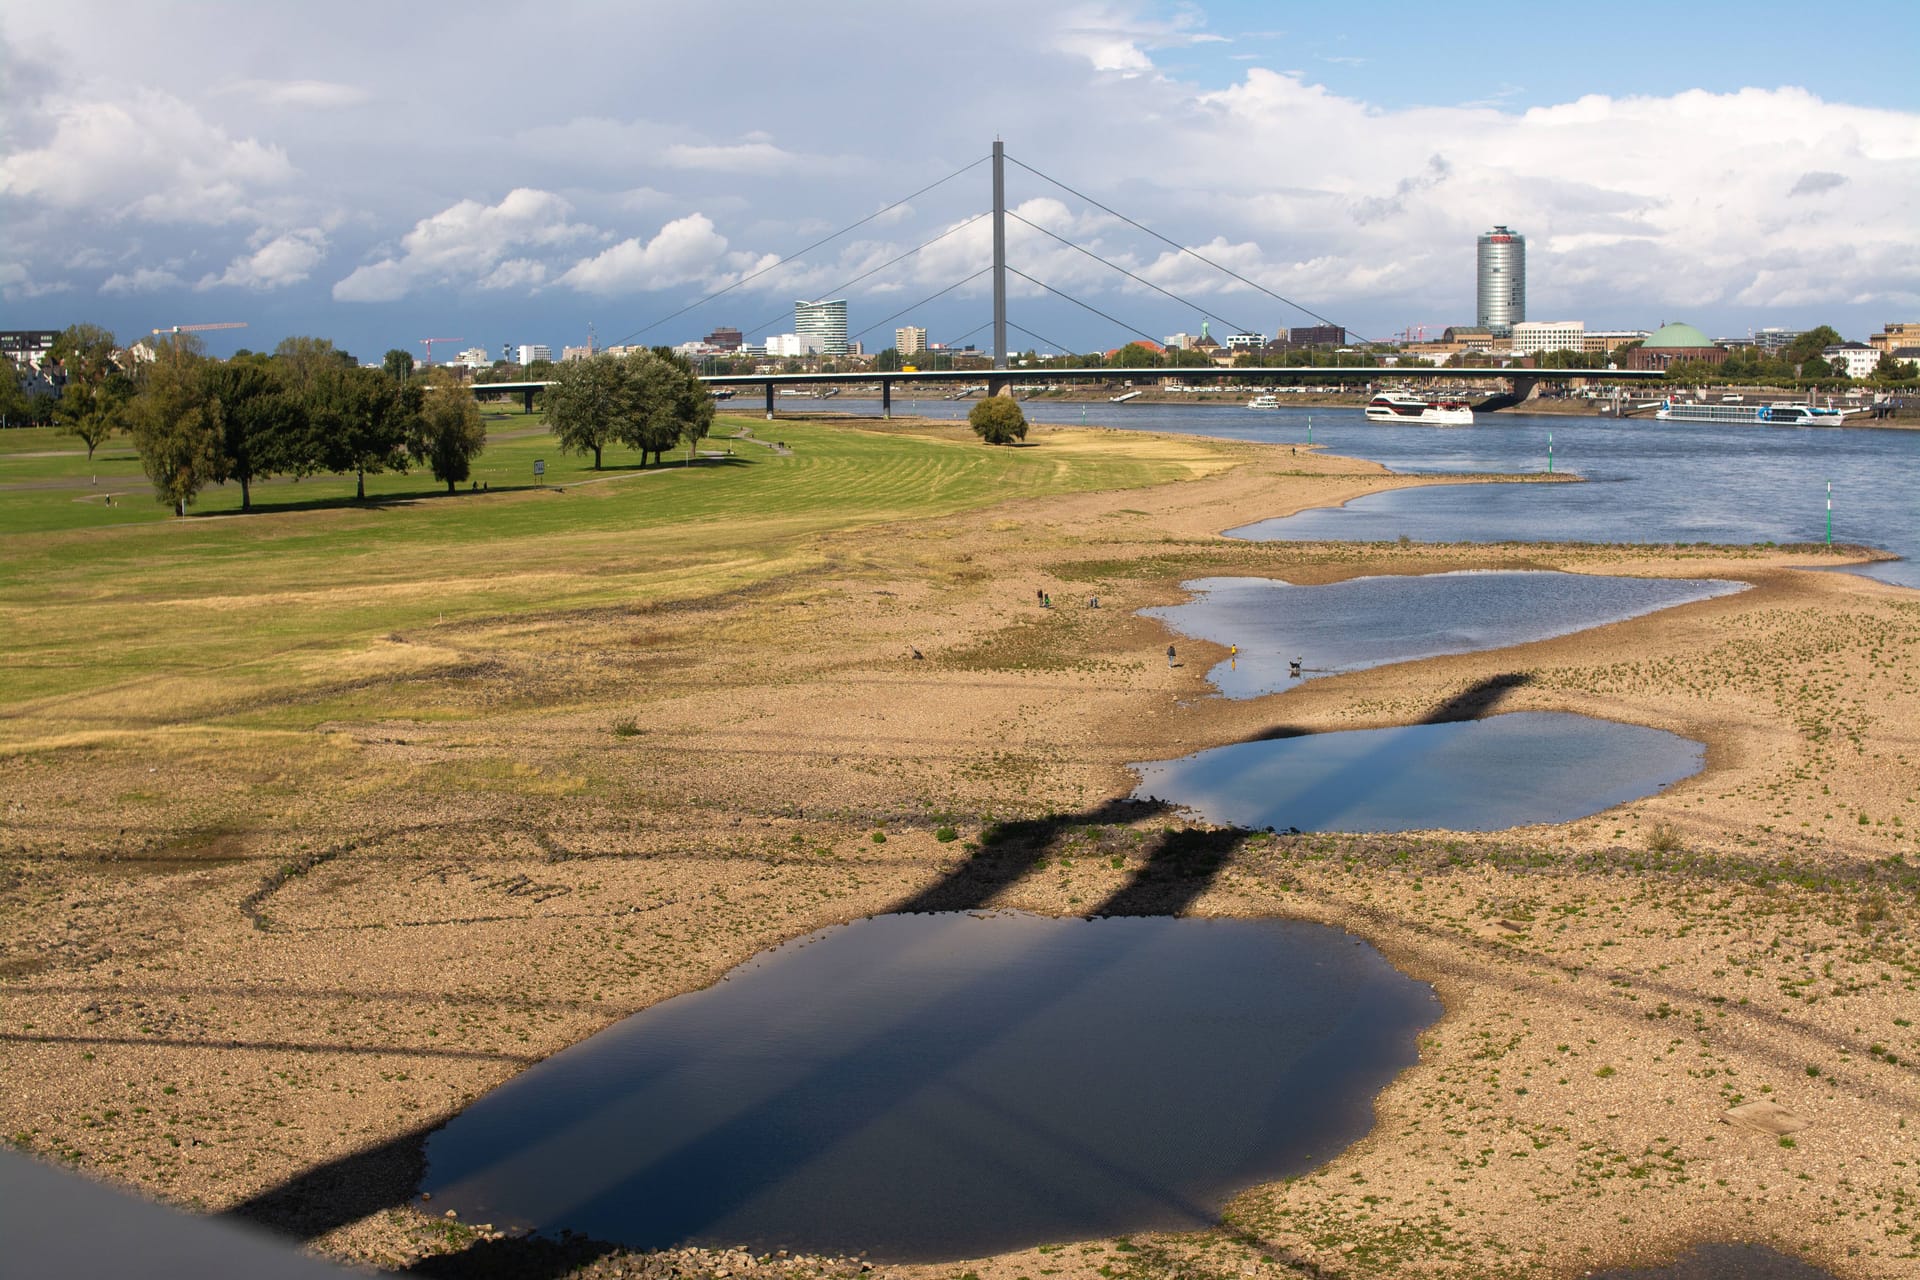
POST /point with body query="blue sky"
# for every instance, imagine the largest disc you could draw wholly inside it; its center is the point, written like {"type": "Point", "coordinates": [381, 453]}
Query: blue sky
{"type": "Point", "coordinates": [498, 176]}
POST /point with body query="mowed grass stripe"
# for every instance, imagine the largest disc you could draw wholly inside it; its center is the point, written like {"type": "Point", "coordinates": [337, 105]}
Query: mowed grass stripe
{"type": "Point", "coordinates": [90, 610]}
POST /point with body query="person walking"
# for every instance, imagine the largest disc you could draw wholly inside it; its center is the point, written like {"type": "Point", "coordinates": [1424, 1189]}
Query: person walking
{"type": "Point", "coordinates": [1169, 655]}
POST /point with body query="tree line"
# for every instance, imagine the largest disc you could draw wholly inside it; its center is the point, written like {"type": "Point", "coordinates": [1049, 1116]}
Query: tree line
{"type": "Point", "coordinates": [308, 408]}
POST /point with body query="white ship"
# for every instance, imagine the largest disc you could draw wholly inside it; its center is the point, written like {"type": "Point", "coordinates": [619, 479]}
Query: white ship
{"type": "Point", "coordinates": [1404, 406]}
{"type": "Point", "coordinates": [1265, 400]}
{"type": "Point", "coordinates": [1781, 413]}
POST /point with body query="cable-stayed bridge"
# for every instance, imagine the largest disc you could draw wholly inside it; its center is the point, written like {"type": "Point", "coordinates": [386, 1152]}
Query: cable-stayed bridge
{"type": "Point", "coordinates": [1003, 376]}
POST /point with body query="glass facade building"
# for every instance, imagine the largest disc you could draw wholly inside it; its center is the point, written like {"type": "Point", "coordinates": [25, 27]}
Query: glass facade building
{"type": "Point", "coordinates": [823, 324]}
{"type": "Point", "coordinates": [1502, 292]}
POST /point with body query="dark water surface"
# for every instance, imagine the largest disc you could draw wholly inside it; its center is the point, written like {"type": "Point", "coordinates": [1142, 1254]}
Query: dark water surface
{"type": "Point", "coordinates": [1469, 775]}
{"type": "Point", "coordinates": [1649, 481]}
{"type": "Point", "coordinates": [1368, 622]}
{"type": "Point", "coordinates": [931, 1087]}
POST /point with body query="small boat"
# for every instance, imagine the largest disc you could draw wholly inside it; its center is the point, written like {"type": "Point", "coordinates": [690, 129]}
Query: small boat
{"type": "Point", "coordinates": [1265, 400]}
{"type": "Point", "coordinates": [1404, 406]}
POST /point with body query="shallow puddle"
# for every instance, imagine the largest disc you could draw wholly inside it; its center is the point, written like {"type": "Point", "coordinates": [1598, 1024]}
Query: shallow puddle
{"type": "Point", "coordinates": [942, 1086]}
{"type": "Point", "coordinates": [1368, 622]}
{"type": "Point", "coordinates": [1470, 775]}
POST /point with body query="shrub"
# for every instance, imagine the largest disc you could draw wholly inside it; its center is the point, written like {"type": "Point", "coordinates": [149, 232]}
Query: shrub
{"type": "Point", "coordinates": [998, 420]}
{"type": "Point", "coordinates": [1663, 839]}
{"type": "Point", "coordinates": [946, 835]}
{"type": "Point", "coordinates": [625, 729]}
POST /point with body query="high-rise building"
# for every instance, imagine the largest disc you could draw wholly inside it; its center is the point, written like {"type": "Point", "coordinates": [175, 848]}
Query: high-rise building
{"type": "Point", "coordinates": [726, 338]}
{"type": "Point", "coordinates": [1318, 335]}
{"type": "Point", "coordinates": [1532, 337]}
{"type": "Point", "coordinates": [1502, 292]}
{"type": "Point", "coordinates": [532, 351]}
{"type": "Point", "coordinates": [825, 323]}
{"type": "Point", "coordinates": [910, 340]}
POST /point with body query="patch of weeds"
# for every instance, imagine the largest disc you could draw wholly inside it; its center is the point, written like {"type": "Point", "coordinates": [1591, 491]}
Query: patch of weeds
{"type": "Point", "coordinates": [946, 835]}
{"type": "Point", "coordinates": [626, 729]}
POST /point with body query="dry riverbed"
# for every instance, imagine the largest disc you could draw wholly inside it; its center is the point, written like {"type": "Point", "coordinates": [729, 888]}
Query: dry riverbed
{"type": "Point", "coordinates": [245, 968]}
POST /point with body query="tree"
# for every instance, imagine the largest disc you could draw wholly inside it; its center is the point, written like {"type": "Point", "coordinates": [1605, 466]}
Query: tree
{"type": "Point", "coordinates": [361, 422]}
{"type": "Point", "coordinates": [94, 389]}
{"type": "Point", "coordinates": [178, 439]}
{"type": "Point", "coordinates": [887, 361]}
{"type": "Point", "coordinates": [1810, 344]}
{"type": "Point", "coordinates": [16, 406]}
{"type": "Point", "coordinates": [998, 419]}
{"type": "Point", "coordinates": [398, 364]}
{"type": "Point", "coordinates": [303, 362]}
{"type": "Point", "coordinates": [589, 404]}
{"type": "Point", "coordinates": [450, 432]}
{"type": "Point", "coordinates": [1134, 356]}
{"type": "Point", "coordinates": [260, 426]}
{"type": "Point", "coordinates": [667, 403]}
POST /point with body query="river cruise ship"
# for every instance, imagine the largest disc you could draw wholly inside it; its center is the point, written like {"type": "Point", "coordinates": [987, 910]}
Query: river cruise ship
{"type": "Point", "coordinates": [1265, 400]}
{"type": "Point", "coordinates": [1781, 413]}
{"type": "Point", "coordinates": [1404, 406]}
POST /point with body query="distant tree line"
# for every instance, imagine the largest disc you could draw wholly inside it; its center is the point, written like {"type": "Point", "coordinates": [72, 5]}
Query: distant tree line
{"type": "Point", "coordinates": [306, 408]}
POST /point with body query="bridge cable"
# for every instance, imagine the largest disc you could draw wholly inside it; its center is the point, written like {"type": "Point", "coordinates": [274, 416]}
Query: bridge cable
{"type": "Point", "coordinates": [1184, 249]}
{"type": "Point", "coordinates": [923, 302]}
{"type": "Point", "coordinates": [809, 249]}
{"type": "Point", "coordinates": [1040, 338]}
{"type": "Point", "coordinates": [1238, 328]}
{"type": "Point", "coordinates": [1088, 306]}
{"type": "Point", "coordinates": [882, 267]}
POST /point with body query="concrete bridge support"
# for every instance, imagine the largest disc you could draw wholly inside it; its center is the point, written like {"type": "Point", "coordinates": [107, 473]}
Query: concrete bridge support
{"type": "Point", "coordinates": [769, 402]}
{"type": "Point", "coordinates": [886, 397]}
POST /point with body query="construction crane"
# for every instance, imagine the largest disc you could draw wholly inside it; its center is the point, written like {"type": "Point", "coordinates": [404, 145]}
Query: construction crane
{"type": "Point", "coordinates": [428, 343]}
{"type": "Point", "coordinates": [200, 328]}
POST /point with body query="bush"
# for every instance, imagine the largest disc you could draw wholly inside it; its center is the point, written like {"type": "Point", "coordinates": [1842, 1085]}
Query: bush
{"type": "Point", "coordinates": [998, 420]}
{"type": "Point", "coordinates": [946, 835]}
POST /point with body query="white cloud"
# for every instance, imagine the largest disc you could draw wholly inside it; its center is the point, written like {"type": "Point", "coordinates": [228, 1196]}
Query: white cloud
{"type": "Point", "coordinates": [153, 157]}
{"type": "Point", "coordinates": [275, 263]}
{"type": "Point", "coordinates": [466, 243]}
{"type": "Point", "coordinates": [316, 94]}
{"type": "Point", "coordinates": [141, 280]}
{"type": "Point", "coordinates": [685, 249]}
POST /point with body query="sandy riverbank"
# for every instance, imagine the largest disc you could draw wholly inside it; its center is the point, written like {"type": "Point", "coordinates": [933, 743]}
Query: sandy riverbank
{"type": "Point", "coordinates": [231, 1020]}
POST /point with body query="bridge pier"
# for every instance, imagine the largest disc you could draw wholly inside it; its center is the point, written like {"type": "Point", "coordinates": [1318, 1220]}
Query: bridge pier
{"type": "Point", "coordinates": [886, 397]}
{"type": "Point", "coordinates": [996, 386]}
{"type": "Point", "coordinates": [526, 400]}
{"type": "Point", "coordinates": [769, 402]}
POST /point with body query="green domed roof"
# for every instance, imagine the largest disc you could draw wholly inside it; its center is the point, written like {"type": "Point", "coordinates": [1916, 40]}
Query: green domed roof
{"type": "Point", "coordinates": [1678, 335]}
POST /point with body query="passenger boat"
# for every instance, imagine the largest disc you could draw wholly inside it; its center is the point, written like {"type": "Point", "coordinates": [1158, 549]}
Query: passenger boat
{"type": "Point", "coordinates": [1781, 413]}
{"type": "Point", "coordinates": [1265, 400]}
{"type": "Point", "coordinates": [1404, 406]}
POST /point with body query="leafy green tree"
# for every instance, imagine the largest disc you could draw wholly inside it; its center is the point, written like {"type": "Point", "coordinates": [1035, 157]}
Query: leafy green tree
{"type": "Point", "coordinates": [95, 389]}
{"type": "Point", "coordinates": [589, 405]}
{"type": "Point", "coordinates": [1187, 358]}
{"type": "Point", "coordinates": [888, 361]}
{"type": "Point", "coordinates": [398, 364]}
{"type": "Point", "coordinates": [1134, 356]}
{"type": "Point", "coordinates": [1810, 344]}
{"type": "Point", "coordinates": [361, 422]}
{"type": "Point", "coordinates": [16, 406]}
{"type": "Point", "coordinates": [261, 426]}
{"type": "Point", "coordinates": [998, 419]}
{"type": "Point", "coordinates": [303, 362]}
{"type": "Point", "coordinates": [666, 402]}
{"type": "Point", "coordinates": [450, 432]}
{"type": "Point", "coordinates": [1814, 367]}
{"type": "Point", "coordinates": [174, 428]}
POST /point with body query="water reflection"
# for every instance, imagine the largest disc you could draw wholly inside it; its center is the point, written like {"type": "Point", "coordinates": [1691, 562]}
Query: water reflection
{"type": "Point", "coordinates": [1367, 622]}
{"type": "Point", "coordinates": [941, 1086]}
{"type": "Point", "coordinates": [1472, 775]}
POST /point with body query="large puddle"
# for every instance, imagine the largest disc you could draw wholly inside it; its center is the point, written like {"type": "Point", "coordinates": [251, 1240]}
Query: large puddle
{"type": "Point", "coordinates": [1471, 775]}
{"type": "Point", "coordinates": [1367, 622]}
{"type": "Point", "coordinates": [928, 1087]}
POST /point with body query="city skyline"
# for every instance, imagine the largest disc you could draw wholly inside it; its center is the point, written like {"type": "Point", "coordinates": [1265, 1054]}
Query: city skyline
{"type": "Point", "coordinates": [258, 175]}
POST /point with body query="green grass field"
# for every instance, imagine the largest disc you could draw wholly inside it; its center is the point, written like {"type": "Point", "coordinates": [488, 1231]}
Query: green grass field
{"type": "Point", "coordinates": [98, 600]}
